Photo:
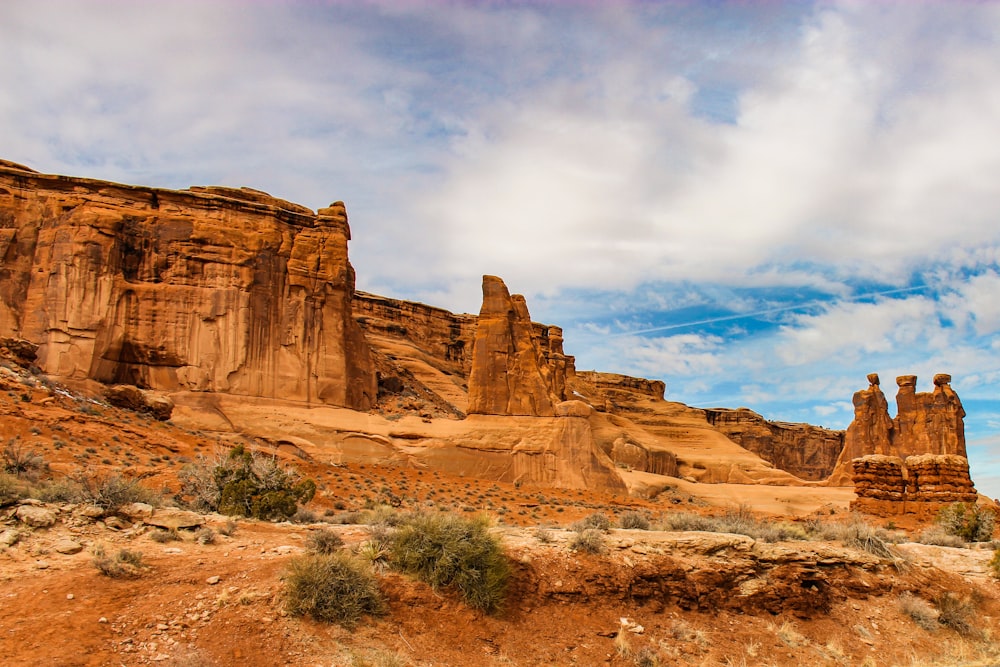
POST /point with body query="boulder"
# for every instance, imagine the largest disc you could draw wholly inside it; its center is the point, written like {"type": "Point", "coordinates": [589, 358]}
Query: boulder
{"type": "Point", "coordinates": [174, 519]}
{"type": "Point", "coordinates": [35, 516]}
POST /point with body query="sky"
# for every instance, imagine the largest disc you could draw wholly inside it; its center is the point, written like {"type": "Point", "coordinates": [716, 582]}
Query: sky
{"type": "Point", "coordinates": [758, 203]}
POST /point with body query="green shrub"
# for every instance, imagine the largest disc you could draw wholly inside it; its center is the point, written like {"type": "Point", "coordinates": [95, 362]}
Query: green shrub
{"type": "Point", "coordinates": [162, 536]}
{"type": "Point", "coordinates": [634, 521]}
{"type": "Point", "coordinates": [995, 563]}
{"type": "Point", "coordinates": [334, 588]}
{"type": "Point", "coordinates": [11, 489]}
{"type": "Point", "coordinates": [324, 542]}
{"type": "Point", "coordinates": [449, 551]}
{"type": "Point", "coordinates": [245, 484]}
{"type": "Point", "coordinates": [205, 535]}
{"type": "Point", "coordinates": [969, 522]}
{"type": "Point", "coordinates": [60, 491]}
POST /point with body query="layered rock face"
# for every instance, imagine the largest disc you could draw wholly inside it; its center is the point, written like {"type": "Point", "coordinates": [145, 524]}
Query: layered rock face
{"type": "Point", "coordinates": [614, 382]}
{"type": "Point", "coordinates": [207, 289]}
{"type": "Point", "coordinates": [913, 464]}
{"type": "Point", "coordinates": [447, 337]}
{"type": "Point", "coordinates": [806, 451]}
{"type": "Point", "coordinates": [517, 368]}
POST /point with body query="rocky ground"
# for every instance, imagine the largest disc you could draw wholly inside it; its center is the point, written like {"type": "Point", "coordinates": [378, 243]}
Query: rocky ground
{"type": "Point", "coordinates": [650, 597]}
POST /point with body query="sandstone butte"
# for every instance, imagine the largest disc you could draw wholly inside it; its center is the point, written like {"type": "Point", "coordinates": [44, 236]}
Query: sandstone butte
{"type": "Point", "coordinates": [240, 309]}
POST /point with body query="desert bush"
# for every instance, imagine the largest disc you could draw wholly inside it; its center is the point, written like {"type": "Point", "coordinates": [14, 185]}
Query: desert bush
{"type": "Point", "coordinates": [921, 611]}
{"type": "Point", "coordinates": [861, 535]}
{"type": "Point", "coordinates": [970, 522]}
{"type": "Point", "coordinates": [588, 540]}
{"type": "Point", "coordinates": [324, 542]}
{"type": "Point", "coordinates": [112, 492]}
{"type": "Point", "coordinates": [60, 491]}
{"type": "Point", "coordinates": [685, 521]}
{"type": "Point", "coordinates": [163, 536]}
{"type": "Point", "coordinates": [11, 489]}
{"type": "Point", "coordinates": [304, 515]}
{"type": "Point", "coordinates": [634, 521]}
{"type": "Point", "coordinates": [995, 563]}
{"type": "Point", "coordinates": [229, 529]}
{"type": "Point", "coordinates": [124, 564]}
{"type": "Point", "coordinates": [955, 612]}
{"type": "Point", "coordinates": [375, 552]}
{"type": "Point", "coordinates": [449, 551]}
{"type": "Point", "coordinates": [938, 536]}
{"type": "Point", "coordinates": [596, 521]}
{"type": "Point", "coordinates": [334, 588]}
{"type": "Point", "coordinates": [21, 461]}
{"type": "Point", "coordinates": [205, 535]}
{"type": "Point", "coordinates": [543, 535]}
{"type": "Point", "coordinates": [245, 484]}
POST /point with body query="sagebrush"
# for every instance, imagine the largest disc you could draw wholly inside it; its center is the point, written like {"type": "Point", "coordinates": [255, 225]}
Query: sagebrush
{"type": "Point", "coordinates": [335, 588]}
{"type": "Point", "coordinates": [245, 483]}
{"type": "Point", "coordinates": [449, 551]}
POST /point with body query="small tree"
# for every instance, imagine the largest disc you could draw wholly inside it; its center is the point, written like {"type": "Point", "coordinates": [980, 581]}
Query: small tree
{"type": "Point", "coordinates": [970, 522]}
{"type": "Point", "coordinates": [246, 484]}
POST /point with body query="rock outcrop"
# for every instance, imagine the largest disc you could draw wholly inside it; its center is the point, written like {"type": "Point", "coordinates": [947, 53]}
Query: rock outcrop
{"type": "Point", "coordinates": [612, 383]}
{"type": "Point", "coordinates": [914, 464]}
{"type": "Point", "coordinates": [207, 289]}
{"type": "Point", "coordinates": [515, 371]}
{"type": "Point", "coordinates": [138, 400]}
{"type": "Point", "coordinates": [448, 338]}
{"type": "Point", "coordinates": [926, 423]}
{"type": "Point", "coordinates": [806, 451]}
{"type": "Point", "coordinates": [919, 485]}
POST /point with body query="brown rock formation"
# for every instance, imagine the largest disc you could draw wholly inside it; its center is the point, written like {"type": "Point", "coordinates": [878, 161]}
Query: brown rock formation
{"type": "Point", "coordinates": [512, 373]}
{"type": "Point", "coordinates": [914, 464]}
{"type": "Point", "coordinates": [929, 423]}
{"type": "Point", "coordinates": [806, 451]}
{"type": "Point", "coordinates": [940, 478]}
{"type": "Point", "coordinates": [920, 485]}
{"type": "Point", "coordinates": [926, 423]}
{"type": "Point", "coordinates": [448, 338]}
{"type": "Point", "coordinates": [613, 382]}
{"type": "Point", "coordinates": [208, 289]}
{"type": "Point", "coordinates": [871, 432]}
{"type": "Point", "coordinates": [135, 399]}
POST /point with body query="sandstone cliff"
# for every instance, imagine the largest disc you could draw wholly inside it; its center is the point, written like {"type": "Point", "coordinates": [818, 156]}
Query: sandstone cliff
{"type": "Point", "coordinates": [516, 370]}
{"type": "Point", "coordinates": [207, 289]}
{"type": "Point", "coordinates": [806, 451]}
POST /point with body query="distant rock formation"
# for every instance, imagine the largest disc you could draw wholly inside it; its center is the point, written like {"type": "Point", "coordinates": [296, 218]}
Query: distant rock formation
{"type": "Point", "coordinates": [516, 369]}
{"type": "Point", "coordinates": [207, 289]}
{"type": "Point", "coordinates": [610, 383]}
{"type": "Point", "coordinates": [806, 451]}
{"type": "Point", "coordinates": [913, 464]}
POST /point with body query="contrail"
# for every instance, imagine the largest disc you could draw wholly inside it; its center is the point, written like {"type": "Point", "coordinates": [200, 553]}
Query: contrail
{"type": "Point", "coordinates": [768, 311]}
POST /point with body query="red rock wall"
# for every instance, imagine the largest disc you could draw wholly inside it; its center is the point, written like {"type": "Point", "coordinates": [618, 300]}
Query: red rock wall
{"type": "Point", "coordinates": [806, 451]}
{"type": "Point", "coordinates": [445, 336]}
{"type": "Point", "coordinates": [921, 485]}
{"type": "Point", "coordinates": [208, 289]}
